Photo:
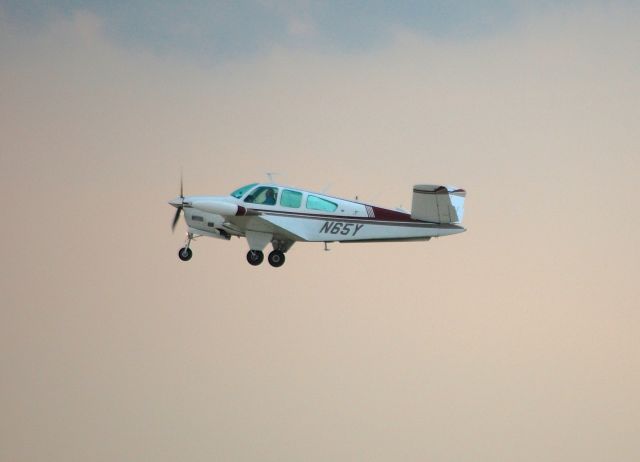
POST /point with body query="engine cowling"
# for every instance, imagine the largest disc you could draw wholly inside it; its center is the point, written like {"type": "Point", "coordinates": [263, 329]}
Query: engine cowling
{"type": "Point", "coordinates": [219, 207]}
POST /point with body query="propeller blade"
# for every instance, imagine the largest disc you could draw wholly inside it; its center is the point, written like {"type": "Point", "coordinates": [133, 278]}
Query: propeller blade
{"type": "Point", "coordinates": [181, 193]}
{"type": "Point", "coordinates": [176, 218]}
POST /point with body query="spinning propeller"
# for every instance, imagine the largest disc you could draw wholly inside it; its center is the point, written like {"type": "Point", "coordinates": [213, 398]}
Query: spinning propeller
{"type": "Point", "coordinates": [179, 206]}
{"type": "Point", "coordinates": [208, 204]}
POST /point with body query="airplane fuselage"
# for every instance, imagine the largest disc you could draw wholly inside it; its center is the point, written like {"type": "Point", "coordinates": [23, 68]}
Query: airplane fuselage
{"type": "Point", "coordinates": [281, 215]}
{"type": "Point", "coordinates": [351, 221]}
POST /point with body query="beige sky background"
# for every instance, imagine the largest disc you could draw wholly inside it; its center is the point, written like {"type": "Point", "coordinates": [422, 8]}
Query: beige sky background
{"type": "Point", "coordinates": [517, 340]}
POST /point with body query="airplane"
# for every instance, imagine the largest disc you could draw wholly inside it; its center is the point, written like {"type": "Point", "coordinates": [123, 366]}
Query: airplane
{"type": "Point", "coordinates": [270, 213]}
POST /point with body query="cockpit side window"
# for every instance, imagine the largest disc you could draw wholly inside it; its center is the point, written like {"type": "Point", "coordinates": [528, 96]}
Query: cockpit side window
{"type": "Point", "coordinates": [264, 195]}
{"type": "Point", "coordinates": [238, 193]}
{"type": "Point", "coordinates": [291, 199]}
{"type": "Point", "coordinates": [318, 203]}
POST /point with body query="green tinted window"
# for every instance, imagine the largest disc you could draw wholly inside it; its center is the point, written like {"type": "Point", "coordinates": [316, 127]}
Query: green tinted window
{"type": "Point", "coordinates": [291, 199]}
{"type": "Point", "coordinates": [318, 203]}
{"type": "Point", "coordinates": [264, 195]}
{"type": "Point", "coordinates": [238, 193]}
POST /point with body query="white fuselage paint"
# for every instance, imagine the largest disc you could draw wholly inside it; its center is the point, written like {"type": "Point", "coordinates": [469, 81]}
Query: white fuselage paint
{"type": "Point", "coordinates": [350, 222]}
{"type": "Point", "coordinates": [340, 228]}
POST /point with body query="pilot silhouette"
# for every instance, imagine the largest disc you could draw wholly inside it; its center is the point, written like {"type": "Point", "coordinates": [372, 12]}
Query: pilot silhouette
{"type": "Point", "coordinates": [271, 197]}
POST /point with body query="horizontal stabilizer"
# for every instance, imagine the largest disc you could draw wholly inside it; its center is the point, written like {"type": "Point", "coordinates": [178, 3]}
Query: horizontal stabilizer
{"type": "Point", "coordinates": [438, 204]}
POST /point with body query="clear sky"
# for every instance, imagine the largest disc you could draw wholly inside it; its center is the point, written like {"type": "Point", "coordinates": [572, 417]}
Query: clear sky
{"type": "Point", "coordinates": [517, 340]}
{"type": "Point", "coordinates": [214, 30]}
{"type": "Point", "coordinates": [240, 27]}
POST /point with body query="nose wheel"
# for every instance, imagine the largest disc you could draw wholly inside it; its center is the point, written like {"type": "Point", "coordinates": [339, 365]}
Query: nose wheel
{"type": "Point", "coordinates": [186, 253]}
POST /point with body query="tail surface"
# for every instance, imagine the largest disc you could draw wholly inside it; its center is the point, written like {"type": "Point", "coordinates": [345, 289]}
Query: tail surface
{"type": "Point", "coordinates": [438, 204]}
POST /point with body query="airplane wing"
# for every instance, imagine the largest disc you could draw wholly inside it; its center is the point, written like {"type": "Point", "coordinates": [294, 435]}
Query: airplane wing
{"type": "Point", "coordinates": [260, 227]}
{"type": "Point", "coordinates": [264, 223]}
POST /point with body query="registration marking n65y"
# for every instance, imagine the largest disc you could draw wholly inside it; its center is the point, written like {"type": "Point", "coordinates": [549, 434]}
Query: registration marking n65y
{"type": "Point", "coordinates": [338, 227]}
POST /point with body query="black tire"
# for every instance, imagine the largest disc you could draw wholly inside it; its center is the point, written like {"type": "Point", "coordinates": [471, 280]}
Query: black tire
{"type": "Point", "coordinates": [185, 254]}
{"type": "Point", "coordinates": [276, 258]}
{"type": "Point", "coordinates": [255, 257]}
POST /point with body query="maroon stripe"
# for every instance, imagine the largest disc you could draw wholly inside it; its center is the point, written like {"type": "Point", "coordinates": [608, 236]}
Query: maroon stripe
{"type": "Point", "coordinates": [390, 215]}
{"type": "Point", "coordinates": [410, 222]}
{"type": "Point", "coordinates": [381, 214]}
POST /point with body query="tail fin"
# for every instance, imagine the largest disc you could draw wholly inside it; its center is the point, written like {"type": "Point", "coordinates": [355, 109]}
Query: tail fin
{"type": "Point", "coordinates": [438, 204]}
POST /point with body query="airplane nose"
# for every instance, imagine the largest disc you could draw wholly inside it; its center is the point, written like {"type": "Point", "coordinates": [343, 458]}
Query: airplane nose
{"type": "Point", "coordinates": [177, 202]}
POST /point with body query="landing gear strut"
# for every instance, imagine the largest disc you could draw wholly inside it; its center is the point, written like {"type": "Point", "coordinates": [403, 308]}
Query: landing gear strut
{"type": "Point", "coordinates": [258, 240]}
{"type": "Point", "coordinates": [255, 257]}
{"type": "Point", "coordinates": [185, 253]}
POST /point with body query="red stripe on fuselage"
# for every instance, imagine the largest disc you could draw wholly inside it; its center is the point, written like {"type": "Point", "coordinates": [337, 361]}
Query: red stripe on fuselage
{"type": "Point", "coordinates": [381, 216]}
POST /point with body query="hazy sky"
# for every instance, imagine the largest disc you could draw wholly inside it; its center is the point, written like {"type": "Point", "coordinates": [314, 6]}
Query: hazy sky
{"type": "Point", "coordinates": [517, 340]}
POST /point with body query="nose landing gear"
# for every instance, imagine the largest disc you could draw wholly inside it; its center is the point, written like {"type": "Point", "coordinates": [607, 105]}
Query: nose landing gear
{"type": "Point", "coordinates": [185, 253]}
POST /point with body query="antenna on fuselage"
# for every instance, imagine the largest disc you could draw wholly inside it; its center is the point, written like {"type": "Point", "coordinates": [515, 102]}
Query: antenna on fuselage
{"type": "Point", "coordinates": [270, 176]}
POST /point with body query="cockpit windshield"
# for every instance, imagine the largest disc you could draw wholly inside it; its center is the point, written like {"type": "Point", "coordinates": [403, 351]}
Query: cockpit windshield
{"type": "Point", "coordinates": [238, 193]}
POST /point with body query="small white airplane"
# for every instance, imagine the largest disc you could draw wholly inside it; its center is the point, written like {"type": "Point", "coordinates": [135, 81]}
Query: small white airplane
{"type": "Point", "coordinates": [266, 213]}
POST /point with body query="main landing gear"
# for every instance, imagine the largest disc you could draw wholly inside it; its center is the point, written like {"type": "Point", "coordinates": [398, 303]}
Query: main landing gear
{"type": "Point", "coordinates": [275, 258]}
{"type": "Point", "coordinates": [255, 257]}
